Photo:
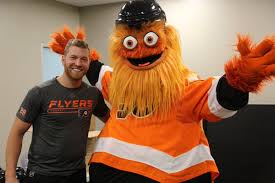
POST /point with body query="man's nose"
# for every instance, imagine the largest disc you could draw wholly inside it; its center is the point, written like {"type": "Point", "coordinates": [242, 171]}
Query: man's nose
{"type": "Point", "coordinates": [78, 62]}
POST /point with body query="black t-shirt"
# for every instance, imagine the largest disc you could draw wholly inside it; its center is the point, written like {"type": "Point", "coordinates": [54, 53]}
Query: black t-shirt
{"type": "Point", "coordinates": [61, 119]}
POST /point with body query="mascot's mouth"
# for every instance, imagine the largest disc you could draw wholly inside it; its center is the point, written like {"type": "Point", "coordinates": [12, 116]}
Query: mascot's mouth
{"type": "Point", "coordinates": [145, 61]}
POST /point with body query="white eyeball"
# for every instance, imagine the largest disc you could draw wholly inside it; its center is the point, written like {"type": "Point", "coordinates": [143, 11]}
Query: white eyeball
{"type": "Point", "coordinates": [151, 39]}
{"type": "Point", "coordinates": [130, 42]}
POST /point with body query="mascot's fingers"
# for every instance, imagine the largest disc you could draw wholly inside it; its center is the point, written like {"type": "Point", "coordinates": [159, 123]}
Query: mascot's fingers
{"type": "Point", "coordinates": [59, 39]}
{"type": "Point", "coordinates": [272, 38]}
{"type": "Point", "coordinates": [270, 57]}
{"type": "Point", "coordinates": [261, 49]}
{"type": "Point", "coordinates": [94, 55]}
{"type": "Point", "coordinates": [67, 33]}
{"type": "Point", "coordinates": [270, 70]}
{"type": "Point", "coordinates": [81, 33]}
{"type": "Point", "coordinates": [244, 44]}
{"type": "Point", "coordinates": [56, 47]}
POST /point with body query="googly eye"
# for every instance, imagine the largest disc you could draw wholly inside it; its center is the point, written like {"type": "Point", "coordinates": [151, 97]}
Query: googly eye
{"type": "Point", "coordinates": [130, 42]}
{"type": "Point", "coordinates": [151, 39]}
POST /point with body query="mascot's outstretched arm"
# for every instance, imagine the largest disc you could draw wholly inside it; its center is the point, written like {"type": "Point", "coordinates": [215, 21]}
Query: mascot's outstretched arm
{"type": "Point", "coordinates": [255, 65]}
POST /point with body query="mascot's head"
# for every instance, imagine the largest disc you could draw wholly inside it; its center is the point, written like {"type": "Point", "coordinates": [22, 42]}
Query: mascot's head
{"type": "Point", "coordinates": [145, 53]}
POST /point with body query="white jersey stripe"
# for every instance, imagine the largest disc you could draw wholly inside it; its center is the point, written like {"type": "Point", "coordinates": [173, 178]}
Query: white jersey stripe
{"type": "Point", "coordinates": [102, 72]}
{"type": "Point", "coordinates": [153, 157]}
{"type": "Point", "coordinates": [213, 103]}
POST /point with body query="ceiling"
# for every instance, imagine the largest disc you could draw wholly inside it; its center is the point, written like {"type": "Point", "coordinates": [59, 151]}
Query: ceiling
{"type": "Point", "coordinates": [82, 3]}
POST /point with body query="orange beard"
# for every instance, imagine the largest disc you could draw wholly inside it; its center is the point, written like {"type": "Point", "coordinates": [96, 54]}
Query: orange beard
{"type": "Point", "coordinates": [155, 89]}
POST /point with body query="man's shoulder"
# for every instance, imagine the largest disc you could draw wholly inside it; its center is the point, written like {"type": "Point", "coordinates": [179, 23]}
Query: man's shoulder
{"type": "Point", "coordinates": [89, 87]}
{"type": "Point", "coordinates": [90, 90]}
{"type": "Point", "coordinates": [46, 84]}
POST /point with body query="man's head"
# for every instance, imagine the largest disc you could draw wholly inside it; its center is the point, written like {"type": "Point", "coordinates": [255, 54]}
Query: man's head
{"type": "Point", "coordinates": [76, 59]}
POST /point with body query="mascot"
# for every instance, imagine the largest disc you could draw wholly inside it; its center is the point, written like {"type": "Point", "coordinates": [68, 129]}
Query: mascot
{"type": "Point", "coordinates": [154, 133]}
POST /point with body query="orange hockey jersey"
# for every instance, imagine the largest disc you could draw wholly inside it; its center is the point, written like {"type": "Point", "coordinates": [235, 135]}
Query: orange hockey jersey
{"type": "Point", "coordinates": [169, 151]}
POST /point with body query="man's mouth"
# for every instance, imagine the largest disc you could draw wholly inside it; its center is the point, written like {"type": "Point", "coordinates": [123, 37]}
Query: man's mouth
{"type": "Point", "coordinates": [145, 61]}
{"type": "Point", "coordinates": [76, 69]}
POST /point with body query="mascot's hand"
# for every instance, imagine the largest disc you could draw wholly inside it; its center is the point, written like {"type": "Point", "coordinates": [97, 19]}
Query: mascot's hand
{"type": "Point", "coordinates": [61, 38]}
{"type": "Point", "coordinates": [254, 66]}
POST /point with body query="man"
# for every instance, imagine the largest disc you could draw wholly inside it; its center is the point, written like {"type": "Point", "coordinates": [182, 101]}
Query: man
{"type": "Point", "coordinates": [59, 110]}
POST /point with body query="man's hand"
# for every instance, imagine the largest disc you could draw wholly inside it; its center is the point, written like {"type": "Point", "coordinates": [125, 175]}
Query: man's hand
{"type": "Point", "coordinates": [254, 66]}
{"type": "Point", "coordinates": [11, 179]}
{"type": "Point", "coordinates": [13, 150]}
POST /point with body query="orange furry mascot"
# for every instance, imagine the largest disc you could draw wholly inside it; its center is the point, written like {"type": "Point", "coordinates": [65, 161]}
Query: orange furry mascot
{"type": "Point", "coordinates": [154, 132]}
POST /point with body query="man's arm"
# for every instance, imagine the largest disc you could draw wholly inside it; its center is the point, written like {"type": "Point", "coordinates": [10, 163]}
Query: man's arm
{"type": "Point", "coordinates": [14, 145]}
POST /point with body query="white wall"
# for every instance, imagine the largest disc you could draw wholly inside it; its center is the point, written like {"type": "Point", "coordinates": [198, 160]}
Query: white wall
{"type": "Point", "coordinates": [99, 22]}
{"type": "Point", "coordinates": [208, 31]}
{"type": "Point", "coordinates": [24, 26]}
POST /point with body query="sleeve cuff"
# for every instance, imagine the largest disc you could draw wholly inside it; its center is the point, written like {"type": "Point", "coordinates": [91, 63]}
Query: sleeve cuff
{"type": "Point", "coordinates": [229, 97]}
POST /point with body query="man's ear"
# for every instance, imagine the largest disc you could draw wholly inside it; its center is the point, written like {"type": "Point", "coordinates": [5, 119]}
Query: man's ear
{"type": "Point", "coordinates": [63, 59]}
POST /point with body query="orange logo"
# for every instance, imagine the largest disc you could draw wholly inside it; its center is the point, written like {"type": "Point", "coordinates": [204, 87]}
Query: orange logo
{"type": "Point", "coordinates": [69, 106]}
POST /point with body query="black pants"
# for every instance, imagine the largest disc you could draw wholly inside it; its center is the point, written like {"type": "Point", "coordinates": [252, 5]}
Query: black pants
{"type": "Point", "coordinates": [78, 177]}
{"type": "Point", "coordinates": [100, 173]}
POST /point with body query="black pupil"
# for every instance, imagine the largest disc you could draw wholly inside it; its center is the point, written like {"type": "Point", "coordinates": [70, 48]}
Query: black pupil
{"type": "Point", "coordinates": [129, 43]}
{"type": "Point", "coordinates": [150, 39]}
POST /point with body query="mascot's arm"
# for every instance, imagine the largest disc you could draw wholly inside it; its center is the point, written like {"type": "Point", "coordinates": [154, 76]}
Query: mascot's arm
{"type": "Point", "coordinates": [212, 99]}
{"type": "Point", "coordinates": [100, 76]}
{"type": "Point", "coordinates": [219, 98]}
{"type": "Point", "coordinates": [255, 65]}
{"type": "Point", "coordinates": [229, 97]}
{"type": "Point", "coordinates": [245, 73]}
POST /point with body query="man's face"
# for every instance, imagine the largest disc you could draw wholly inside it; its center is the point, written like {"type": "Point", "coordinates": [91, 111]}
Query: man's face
{"type": "Point", "coordinates": [76, 62]}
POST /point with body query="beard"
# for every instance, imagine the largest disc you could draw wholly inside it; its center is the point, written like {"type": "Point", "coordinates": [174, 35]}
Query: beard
{"type": "Point", "coordinates": [74, 75]}
{"type": "Point", "coordinates": [152, 90]}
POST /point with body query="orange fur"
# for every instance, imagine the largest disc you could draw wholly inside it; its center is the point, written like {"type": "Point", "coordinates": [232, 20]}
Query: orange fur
{"type": "Point", "coordinates": [141, 50]}
{"type": "Point", "coordinates": [155, 89]}
{"type": "Point", "coordinates": [94, 55]}
{"type": "Point", "coordinates": [81, 33]}
{"type": "Point", "coordinates": [67, 33]}
{"type": "Point", "coordinates": [254, 67]}
{"type": "Point", "coordinates": [244, 45]}
{"type": "Point", "coordinates": [56, 48]}
{"type": "Point", "coordinates": [61, 38]}
{"type": "Point", "coordinates": [58, 37]}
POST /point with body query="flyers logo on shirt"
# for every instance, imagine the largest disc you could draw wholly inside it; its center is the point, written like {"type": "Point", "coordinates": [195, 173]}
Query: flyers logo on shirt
{"type": "Point", "coordinates": [70, 106]}
{"type": "Point", "coordinates": [83, 113]}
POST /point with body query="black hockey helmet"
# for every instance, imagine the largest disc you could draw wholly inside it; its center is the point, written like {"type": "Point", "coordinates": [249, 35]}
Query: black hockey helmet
{"type": "Point", "coordinates": [136, 12]}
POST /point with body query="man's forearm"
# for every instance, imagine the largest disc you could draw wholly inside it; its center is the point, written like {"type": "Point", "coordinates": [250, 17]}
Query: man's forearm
{"type": "Point", "coordinates": [14, 145]}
